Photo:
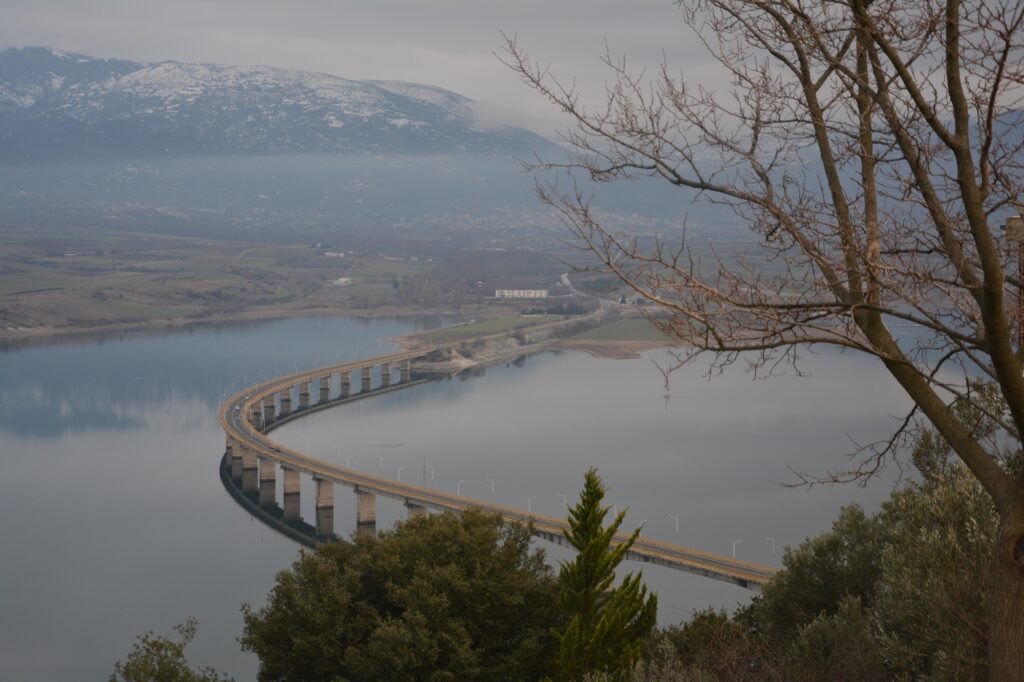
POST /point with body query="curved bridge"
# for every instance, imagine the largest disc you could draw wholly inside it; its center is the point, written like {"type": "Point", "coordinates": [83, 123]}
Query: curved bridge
{"type": "Point", "coordinates": [251, 457]}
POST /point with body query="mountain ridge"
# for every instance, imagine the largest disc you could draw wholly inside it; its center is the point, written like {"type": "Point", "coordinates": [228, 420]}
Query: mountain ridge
{"type": "Point", "coordinates": [57, 105]}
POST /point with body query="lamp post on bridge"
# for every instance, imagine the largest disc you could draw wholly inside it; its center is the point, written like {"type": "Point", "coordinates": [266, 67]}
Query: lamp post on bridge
{"type": "Point", "coordinates": [458, 487]}
{"type": "Point", "coordinates": [348, 461]}
{"type": "Point", "coordinates": [676, 519]}
{"type": "Point", "coordinates": [529, 504]}
{"type": "Point", "coordinates": [491, 481]}
{"type": "Point", "coordinates": [734, 543]}
{"type": "Point", "coordinates": [565, 500]}
{"type": "Point", "coordinates": [773, 543]}
{"type": "Point", "coordinates": [431, 472]}
{"type": "Point", "coordinates": [400, 474]}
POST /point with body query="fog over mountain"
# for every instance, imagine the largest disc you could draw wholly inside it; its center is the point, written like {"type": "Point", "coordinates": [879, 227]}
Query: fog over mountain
{"type": "Point", "coordinates": [210, 149]}
{"type": "Point", "coordinates": [59, 106]}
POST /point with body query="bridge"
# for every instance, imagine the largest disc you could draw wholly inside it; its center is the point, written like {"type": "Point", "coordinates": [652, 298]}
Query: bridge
{"type": "Point", "coordinates": [252, 457]}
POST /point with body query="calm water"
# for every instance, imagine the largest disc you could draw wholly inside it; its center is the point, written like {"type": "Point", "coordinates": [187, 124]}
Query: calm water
{"type": "Point", "coordinates": [116, 521]}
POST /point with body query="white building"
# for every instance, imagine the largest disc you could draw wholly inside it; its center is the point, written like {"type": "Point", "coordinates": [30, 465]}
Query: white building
{"type": "Point", "coordinates": [521, 293]}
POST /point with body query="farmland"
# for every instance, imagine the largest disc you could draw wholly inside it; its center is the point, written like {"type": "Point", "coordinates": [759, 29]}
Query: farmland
{"type": "Point", "coordinates": [60, 280]}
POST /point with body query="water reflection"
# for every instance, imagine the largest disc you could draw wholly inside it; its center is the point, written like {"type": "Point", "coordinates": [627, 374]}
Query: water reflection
{"type": "Point", "coordinates": [264, 508]}
{"type": "Point", "coordinates": [132, 381]}
{"type": "Point", "coordinates": [115, 513]}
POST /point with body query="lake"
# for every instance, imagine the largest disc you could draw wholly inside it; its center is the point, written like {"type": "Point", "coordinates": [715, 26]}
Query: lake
{"type": "Point", "coordinates": [117, 521]}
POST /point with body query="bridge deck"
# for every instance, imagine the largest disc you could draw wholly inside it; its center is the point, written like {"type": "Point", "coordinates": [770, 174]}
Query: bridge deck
{"type": "Point", "coordinates": [234, 417]}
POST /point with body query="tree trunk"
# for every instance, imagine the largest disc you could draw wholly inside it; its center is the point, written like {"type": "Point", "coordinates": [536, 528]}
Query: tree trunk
{"type": "Point", "coordinates": [1006, 597]}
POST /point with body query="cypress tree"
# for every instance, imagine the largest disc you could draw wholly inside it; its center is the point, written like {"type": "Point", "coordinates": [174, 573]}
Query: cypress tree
{"type": "Point", "coordinates": [605, 625]}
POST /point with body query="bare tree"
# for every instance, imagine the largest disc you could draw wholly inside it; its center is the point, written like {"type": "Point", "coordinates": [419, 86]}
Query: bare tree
{"type": "Point", "coordinates": [872, 147]}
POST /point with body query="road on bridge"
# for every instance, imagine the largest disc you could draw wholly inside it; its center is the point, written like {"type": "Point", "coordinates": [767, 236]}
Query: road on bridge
{"type": "Point", "coordinates": [235, 419]}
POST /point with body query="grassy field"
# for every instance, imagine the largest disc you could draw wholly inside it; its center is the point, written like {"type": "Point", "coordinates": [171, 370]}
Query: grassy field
{"type": "Point", "coordinates": [141, 311]}
{"type": "Point", "coordinates": [59, 280]}
{"type": "Point", "coordinates": [371, 268]}
{"type": "Point", "coordinates": [485, 327]}
{"type": "Point", "coordinates": [379, 291]}
{"type": "Point", "coordinates": [54, 279]}
{"type": "Point", "coordinates": [633, 329]}
{"type": "Point", "coordinates": [14, 282]}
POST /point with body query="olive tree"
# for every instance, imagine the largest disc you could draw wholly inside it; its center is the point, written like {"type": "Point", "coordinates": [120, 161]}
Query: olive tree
{"type": "Point", "coordinates": [444, 597]}
{"type": "Point", "coordinates": [873, 148]}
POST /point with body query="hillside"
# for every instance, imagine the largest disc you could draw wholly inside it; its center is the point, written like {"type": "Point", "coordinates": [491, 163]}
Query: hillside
{"type": "Point", "coordinates": [59, 106]}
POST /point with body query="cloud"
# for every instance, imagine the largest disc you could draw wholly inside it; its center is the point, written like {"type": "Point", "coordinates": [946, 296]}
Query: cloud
{"type": "Point", "coordinates": [541, 119]}
{"type": "Point", "coordinates": [443, 42]}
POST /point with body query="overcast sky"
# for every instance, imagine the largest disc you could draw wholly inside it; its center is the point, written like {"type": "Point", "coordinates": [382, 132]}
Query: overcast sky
{"type": "Point", "coordinates": [441, 42]}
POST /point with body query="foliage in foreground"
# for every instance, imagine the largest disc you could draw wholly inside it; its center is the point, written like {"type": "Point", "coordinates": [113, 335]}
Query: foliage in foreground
{"type": "Point", "coordinates": [606, 626]}
{"type": "Point", "coordinates": [159, 659]}
{"type": "Point", "coordinates": [897, 595]}
{"type": "Point", "coordinates": [443, 597]}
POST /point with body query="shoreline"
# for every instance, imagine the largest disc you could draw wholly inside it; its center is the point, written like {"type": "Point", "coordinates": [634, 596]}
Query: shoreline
{"type": "Point", "coordinates": [50, 335]}
{"type": "Point", "coordinates": [545, 339]}
{"type": "Point", "coordinates": [613, 349]}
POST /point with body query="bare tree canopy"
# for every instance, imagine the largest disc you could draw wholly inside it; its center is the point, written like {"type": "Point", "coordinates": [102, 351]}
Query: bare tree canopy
{"type": "Point", "coordinates": [874, 149]}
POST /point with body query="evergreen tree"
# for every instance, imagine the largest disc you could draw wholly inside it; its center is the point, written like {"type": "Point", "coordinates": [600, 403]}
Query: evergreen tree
{"type": "Point", "coordinates": [605, 626]}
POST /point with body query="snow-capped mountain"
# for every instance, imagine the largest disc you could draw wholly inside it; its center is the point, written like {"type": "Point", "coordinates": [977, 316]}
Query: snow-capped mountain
{"type": "Point", "coordinates": [57, 105]}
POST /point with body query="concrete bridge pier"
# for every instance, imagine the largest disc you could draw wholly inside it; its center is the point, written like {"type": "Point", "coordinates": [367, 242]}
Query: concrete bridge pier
{"type": "Point", "coordinates": [557, 538]}
{"type": "Point", "coordinates": [256, 417]}
{"type": "Point", "coordinates": [286, 401]}
{"type": "Point", "coordinates": [325, 388]}
{"type": "Point", "coordinates": [403, 372]}
{"type": "Point", "coordinates": [249, 471]}
{"type": "Point", "coordinates": [228, 445]}
{"type": "Point", "coordinates": [385, 374]}
{"type": "Point", "coordinates": [304, 395]}
{"type": "Point", "coordinates": [291, 493]}
{"type": "Point", "coordinates": [268, 410]}
{"type": "Point", "coordinates": [324, 508]}
{"type": "Point", "coordinates": [415, 511]}
{"type": "Point", "coordinates": [346, 384]}
{"type": "Point", "coordinates": [367, 377]}
{"type": "Point", "coordinates": [268, 482]}
{"type": "Point", "coordinates": [236, 463]}
{"type": "Point", "coordinates": [366, 512]}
